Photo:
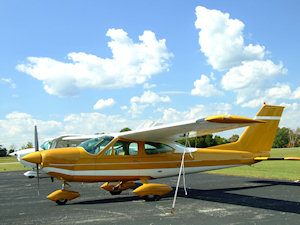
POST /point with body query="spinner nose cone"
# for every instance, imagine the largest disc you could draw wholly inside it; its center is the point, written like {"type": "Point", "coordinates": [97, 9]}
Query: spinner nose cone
{"type": "Point", "coordinates": [34, 157]}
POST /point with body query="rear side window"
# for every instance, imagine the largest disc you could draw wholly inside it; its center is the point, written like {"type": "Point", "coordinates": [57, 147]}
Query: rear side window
{"type": "Point", "coordinates": [152, 148]}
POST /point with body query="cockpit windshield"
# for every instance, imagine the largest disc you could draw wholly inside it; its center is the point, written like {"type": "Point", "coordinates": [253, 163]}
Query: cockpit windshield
{"type": "Point", "coordinates": [96, 145]}
{"type": "Point", "coordinates": [46, 145]}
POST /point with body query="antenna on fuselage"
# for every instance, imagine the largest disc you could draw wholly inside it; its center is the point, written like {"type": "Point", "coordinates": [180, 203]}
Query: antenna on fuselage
{"type": "Point", "coordinates": [181, 171]}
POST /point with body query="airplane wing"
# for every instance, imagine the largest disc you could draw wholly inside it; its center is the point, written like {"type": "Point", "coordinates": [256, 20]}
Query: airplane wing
{"type": "Point", "coordinates": [175, 131]}
{"type": "Point", "coordinates": [80, 137]}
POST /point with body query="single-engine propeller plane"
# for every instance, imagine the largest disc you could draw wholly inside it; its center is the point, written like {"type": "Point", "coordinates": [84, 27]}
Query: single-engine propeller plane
{"type": "Point", "coordinates": [122, 158]}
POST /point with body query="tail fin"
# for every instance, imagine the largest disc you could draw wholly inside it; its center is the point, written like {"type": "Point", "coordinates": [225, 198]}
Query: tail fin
{"type": "Point", "coordinates": [259, 137]}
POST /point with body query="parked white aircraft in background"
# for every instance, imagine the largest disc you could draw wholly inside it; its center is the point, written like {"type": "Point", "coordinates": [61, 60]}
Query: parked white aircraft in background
{"type": "Point", "coordinates": [63, 141]}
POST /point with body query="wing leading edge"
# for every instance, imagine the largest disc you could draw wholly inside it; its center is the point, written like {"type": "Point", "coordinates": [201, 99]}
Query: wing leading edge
{"type": "Point", "coordinates": [175, 131]}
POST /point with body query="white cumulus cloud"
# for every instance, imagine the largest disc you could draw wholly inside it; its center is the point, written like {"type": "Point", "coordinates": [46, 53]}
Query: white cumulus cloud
{"type": "Point", "coordinates": [272, 95]}
{"type": "Point", "coordinates": [247, 73]}
{"type": "Point", "coordinates": [251, 73]}
{"type": "Point", "coordinates": [198, 111]}
{"type": "Point", "coordinates": [150, 97]}
{"type": "Point", "coordinates": [221, 39]}
{"type": "Point", "coordinates": [19, 127]}
{"type": "Point", "coordinates": [101, 103]}
{"type": "Point", "coordinates": [10, 82]}
{"type": "Point", "coordinates": [290, 115]}
{"type": "Point", "coordinates": [131, 64]}
{"type": "Point", "coordinates": [296, 94]}
{"type": "Point", "coordinates": [138, 104]}
{"type": "Point", "coordinates": [149, 86]}
{"type": "Point", "coordinates": [203, 87]}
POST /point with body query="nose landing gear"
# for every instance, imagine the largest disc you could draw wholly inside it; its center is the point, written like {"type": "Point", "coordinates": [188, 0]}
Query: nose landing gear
{"type": "Point", "coordinates": [62, 196]}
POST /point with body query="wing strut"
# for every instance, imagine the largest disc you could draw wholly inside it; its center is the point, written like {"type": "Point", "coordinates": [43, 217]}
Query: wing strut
{"type": "Point", "coordinates": [181, 171]}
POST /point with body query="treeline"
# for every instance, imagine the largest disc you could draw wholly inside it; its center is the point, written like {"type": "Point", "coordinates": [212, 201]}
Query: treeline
{"type": "Point", "coordinates": [208, 140]}
{"type": "Point", "coordinates": [287, 138]}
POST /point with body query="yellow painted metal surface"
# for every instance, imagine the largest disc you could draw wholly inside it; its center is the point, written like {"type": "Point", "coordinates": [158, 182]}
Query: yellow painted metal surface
{"type": "Point", "coordinates": [231, 119]}
{"type": "Point", "coordinates": [34, 157]}
{"type": "Point", "coordinates": [152, 189]}
{"type": "Point", "coordinates": [258, 138]}
{"type": "Point", "coordinates": [121, 187]}
{"type": "Point", "coordinates": [63, 194]}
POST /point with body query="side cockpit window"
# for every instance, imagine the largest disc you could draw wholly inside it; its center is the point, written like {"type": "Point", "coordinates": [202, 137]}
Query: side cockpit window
{"type": "Point", "coordinates": [96, 145]}
{"type": "Point", "coordinates": [121, 148]}
{"type": "Point", "coordinates": [156, 148]}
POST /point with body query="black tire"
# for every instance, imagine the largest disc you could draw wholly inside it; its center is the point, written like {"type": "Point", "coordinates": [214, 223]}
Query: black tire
{"type": "Point", "coordinates": [151, 198]}
{"type": "Point", "coordinates": [115, 192]}
{"type": "Point", "coordinates": [61, 201]}
{"type": "Point", "coordinates": [30, 177]}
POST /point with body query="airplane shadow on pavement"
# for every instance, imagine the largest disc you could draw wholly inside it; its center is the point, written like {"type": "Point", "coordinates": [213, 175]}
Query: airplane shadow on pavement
{"type": "Point", "coordinates": [224, 195]}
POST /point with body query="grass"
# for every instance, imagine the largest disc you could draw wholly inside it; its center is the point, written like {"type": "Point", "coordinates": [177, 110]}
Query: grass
{"type": "Point", "coordinates": [11, 164]}
{"type": "Point", "coordinates": [288, 170]}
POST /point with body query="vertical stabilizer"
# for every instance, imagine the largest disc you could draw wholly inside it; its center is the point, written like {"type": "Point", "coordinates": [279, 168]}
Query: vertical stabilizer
{"type": "Point", "coordinates": [259, 137]}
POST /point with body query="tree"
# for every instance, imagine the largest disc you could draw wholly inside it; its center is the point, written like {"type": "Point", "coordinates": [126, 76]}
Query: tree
{"type": "Point", "coordinates": [281, 138]}
{"type": "Point", "coordinates": [209, 140]}
{"type": "Point", "coordinates": [297, 143]}
{"type": "Point", "coordinates": [204, 141]}
{"type": "Point", "coordinates": [28, 145]}
{"type": "Point", "coordinates": [12, 149]}
{"type": "Point", "coordinates": [3, 151]}
{"type": "Point", "coordinates": [293, 136]}
{"type": "Point", "coordinates": [220, 141]}
{"type": "Point", "coordinates": [234, 138]}
{"type": "Point", "coordinates": [125, 129]}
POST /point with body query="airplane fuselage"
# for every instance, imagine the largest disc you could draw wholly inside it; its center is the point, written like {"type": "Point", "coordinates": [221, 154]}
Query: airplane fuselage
{"type": "Point", "coordinates": [76, 164]}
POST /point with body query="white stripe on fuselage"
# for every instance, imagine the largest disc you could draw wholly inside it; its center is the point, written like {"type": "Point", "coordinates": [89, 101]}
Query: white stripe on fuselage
{"type": "Point", "coordinates": [154, 173]}
{"type": "Point", "coordinates": [129, 163]}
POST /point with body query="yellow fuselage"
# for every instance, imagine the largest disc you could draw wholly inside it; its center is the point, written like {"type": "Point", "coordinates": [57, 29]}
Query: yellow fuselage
{"type": "Point", "coordinates": [75, 164]}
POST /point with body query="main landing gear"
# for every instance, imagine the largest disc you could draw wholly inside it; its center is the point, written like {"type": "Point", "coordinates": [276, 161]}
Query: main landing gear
{"type": "Point", "coordinates": [117, 188]}
{"type": "Point", "coordinates": [152, 192]}
{"type": "Point", "coordinates": [62, 196]}
{"type": "Point", "coordinates": [149, 192]}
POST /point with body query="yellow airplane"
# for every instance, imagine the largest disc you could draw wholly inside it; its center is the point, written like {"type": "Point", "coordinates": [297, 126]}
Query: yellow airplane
{"type": "Point", "coordinates": [122, 158]}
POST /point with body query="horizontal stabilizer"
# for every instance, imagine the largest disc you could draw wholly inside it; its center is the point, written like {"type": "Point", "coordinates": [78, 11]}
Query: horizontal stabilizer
{"type": "Point", "coordinates": [272, 158]}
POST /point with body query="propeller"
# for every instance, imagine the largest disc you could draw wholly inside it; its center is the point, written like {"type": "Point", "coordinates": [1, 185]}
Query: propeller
{"type": "Point", "coordinates": [36, 146]}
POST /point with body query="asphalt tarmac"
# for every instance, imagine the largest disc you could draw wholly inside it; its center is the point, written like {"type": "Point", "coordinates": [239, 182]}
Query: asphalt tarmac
{"type": "Point", "coordinates": [211, 199]}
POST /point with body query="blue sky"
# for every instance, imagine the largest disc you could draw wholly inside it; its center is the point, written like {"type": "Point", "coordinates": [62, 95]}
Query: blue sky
{"type": "Point", "coordinates": [99, 66]}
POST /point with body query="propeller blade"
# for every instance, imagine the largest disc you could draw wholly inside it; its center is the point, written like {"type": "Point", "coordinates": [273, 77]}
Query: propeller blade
{"type": "Point", "coordinates": [36, 146]}
{"type": "Point", "coordinates": [36, 141]}
{"type": "Point", "coordinates": [38, 178]}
